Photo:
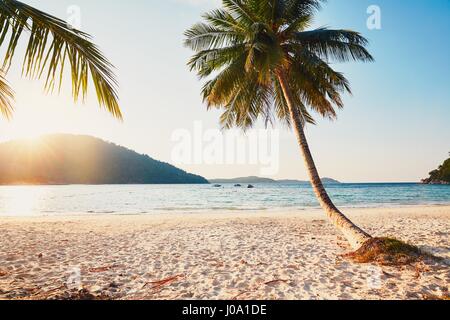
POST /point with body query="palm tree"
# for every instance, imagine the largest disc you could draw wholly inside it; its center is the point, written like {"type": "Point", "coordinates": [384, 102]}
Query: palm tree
{"type": "Point", "coordinates": [51, 44]}
{"type": "Point", "coordinates": [259, 60]}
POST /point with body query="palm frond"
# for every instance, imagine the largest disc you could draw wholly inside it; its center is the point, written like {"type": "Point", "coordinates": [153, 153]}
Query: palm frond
{"type": "Point", "coordinates": [296, 9]}
{"type": "Point", "coordinates": [203, 36]}
{"type": "Point", "coordinates": [249, 101]}
{"type": "Point", "coordinates": [221, 90]}
{"type": "Point", "coordinates": [338, 45]}
{"type": "Point", "coordinates": [282, 109]}
{"type": "Point", "coordinates": [6, 98]}
{"type": "Point", "coordinates": [208, 61]}
{"type": "Point", "coordinates": [297, 25]}
{"type": "Point", "coordinates": [240, 10]}
{"type": "Point", "coordinates": [222, 19]}
{"type": "Point", "coordinates": [319, 86]}
{"type": "Point", "coordinates": [52, 43]}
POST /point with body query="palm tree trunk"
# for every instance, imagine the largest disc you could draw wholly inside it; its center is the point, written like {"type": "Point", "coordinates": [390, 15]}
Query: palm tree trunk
{"type": "Point", "coordinates": [355, 235]}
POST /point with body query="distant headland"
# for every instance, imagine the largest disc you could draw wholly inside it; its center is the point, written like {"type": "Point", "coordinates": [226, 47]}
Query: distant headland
{"type": "Point", "coordinates": [72, 159]}
{"type": "Point", "coordinates": [255, 180]}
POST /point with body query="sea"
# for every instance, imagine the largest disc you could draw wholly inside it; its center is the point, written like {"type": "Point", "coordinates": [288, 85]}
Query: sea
{"type": "Point", "coordinates": [32, 201]}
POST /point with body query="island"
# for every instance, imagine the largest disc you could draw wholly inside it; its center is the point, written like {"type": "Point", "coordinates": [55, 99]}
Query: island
{"type": "Point", "coordinates": [74, 159]}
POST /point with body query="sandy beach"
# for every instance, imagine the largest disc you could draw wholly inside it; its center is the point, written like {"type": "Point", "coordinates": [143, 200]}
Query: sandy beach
{"type": "Point", "coordinates": [229, 255]}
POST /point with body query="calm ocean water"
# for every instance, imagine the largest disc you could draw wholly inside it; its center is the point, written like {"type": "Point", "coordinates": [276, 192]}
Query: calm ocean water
{"type": "Point", "coordinates": [148, 199]}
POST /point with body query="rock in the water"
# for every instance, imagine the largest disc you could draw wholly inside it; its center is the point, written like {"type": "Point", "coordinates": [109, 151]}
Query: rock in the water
{"type": "Point", "coordinates": [250, 186]}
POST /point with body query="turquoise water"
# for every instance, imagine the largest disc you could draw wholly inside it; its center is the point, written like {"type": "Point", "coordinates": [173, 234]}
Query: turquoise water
{"type": "Point", "coordinates": [148, 199]}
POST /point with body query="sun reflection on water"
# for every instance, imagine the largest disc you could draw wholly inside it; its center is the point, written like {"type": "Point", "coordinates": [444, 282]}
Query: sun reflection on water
{"type": "Point", "coordinates": [21, 200]}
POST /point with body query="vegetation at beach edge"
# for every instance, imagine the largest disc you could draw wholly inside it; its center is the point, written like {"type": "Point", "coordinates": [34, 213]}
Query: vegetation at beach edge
{"type": "Point", "coordinates": [441, 175]}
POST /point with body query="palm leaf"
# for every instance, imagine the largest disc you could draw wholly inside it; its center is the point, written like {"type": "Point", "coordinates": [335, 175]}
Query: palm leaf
{"type": "Point", "coordinates": [240, 10]}
{"type": "Point", "coordinates": [203, 36]}
{"type": "Point", "coordinates": [51, 44]}
{"type": "Point", "coordinates": [6, 97]}
{"type": "Point", "coordinates": [339, 45]}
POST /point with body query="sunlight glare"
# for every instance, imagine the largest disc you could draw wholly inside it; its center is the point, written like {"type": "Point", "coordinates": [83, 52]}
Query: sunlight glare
{"type": "Point", "coordinates": [21, 200]}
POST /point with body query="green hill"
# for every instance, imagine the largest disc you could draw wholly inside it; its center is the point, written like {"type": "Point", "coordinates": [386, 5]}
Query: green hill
{"type": "Point", "coordinates": [71, 159]}
{"type": "Point", "coordinates": [440, 175]}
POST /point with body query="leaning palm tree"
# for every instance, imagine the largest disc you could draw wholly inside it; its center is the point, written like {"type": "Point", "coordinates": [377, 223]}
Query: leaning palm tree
{"type": "Point", "coordinates": [52, 45]}
{"type": "Point", "coordinates": [260, 60]}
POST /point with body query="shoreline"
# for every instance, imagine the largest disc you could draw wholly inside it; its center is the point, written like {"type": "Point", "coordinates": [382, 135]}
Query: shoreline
{"type": "Point", "coordinates": [267, 256]}
{"type": "Point", "coordinates": [230, 212]}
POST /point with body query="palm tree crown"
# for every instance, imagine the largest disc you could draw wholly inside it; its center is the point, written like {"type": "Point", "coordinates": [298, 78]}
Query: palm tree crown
{"type": "Point", "coordinates": [242, 49]}
{"type": "Point", "coordinates": [51, 44]}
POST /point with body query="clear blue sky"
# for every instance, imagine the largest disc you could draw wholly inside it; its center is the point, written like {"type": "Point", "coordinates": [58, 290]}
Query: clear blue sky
{"type": "Point", "coordinates": [394, 128]}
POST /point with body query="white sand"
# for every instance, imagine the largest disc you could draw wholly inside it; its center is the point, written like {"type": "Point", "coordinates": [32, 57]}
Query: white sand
{"type": "Point", "coordinates": [270, 255]}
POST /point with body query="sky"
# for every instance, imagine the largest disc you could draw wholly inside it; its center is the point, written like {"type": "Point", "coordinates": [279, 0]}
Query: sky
{"type": "Point", "coordinates": [394, 128]}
